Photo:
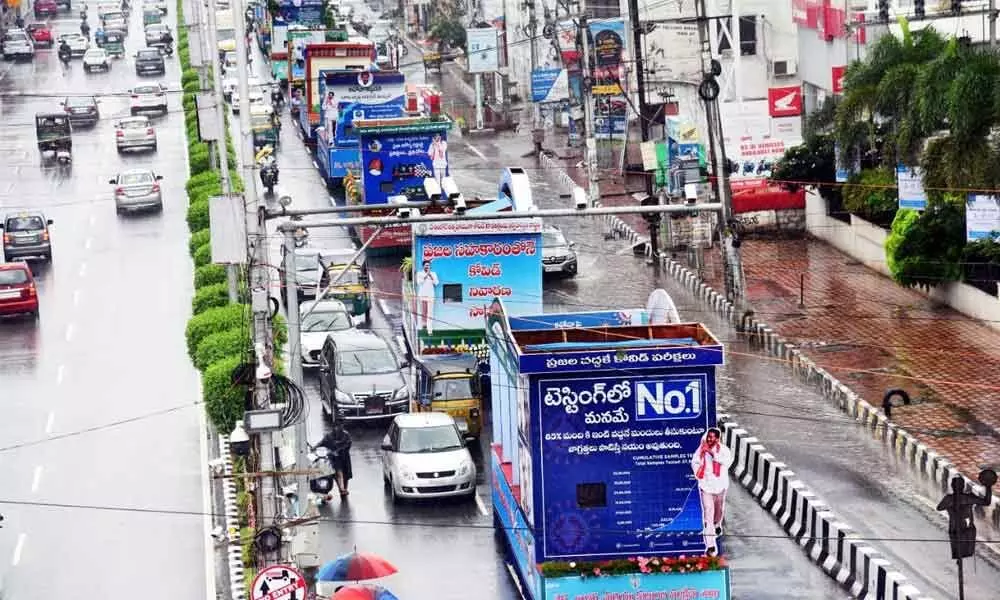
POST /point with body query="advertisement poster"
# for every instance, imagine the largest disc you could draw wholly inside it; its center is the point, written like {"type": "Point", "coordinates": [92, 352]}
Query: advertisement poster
{"type": "Point", "coordinates": [302, 12]}
{"type": "Point", "coordinates": [461, 274]}
{"type": "Point", "coordinates": [608, 318]}
{"type": "Point", "coordinates": [609, 56]}
{"type": "Point", "coordinates": [672, 55]}
{"type": "Point", "coordinates": [361, 95]}
{"type": "Point", "coordinates": [610, 118]}
{"type": "Point", "coordinates": [690, 586]}
{"type": "Point", "coordinates": [910, 183]}
{"type": "Point", "coordinates": [549, 85]}
{"type": "Point", "coordinates": [982, 217]}
{"type": "Point", "coordinates": [613, 474]}
{"type": "Point", "coordinates": [837, 79]}
{"type": "Point", "coordinates": [755, 142]}
{"type": "Point", "coordinates": [483, 49]}
{"type": "Point", "coordinates": [395, 165]}
{"type": "Point", "coordinates": [566, 34]}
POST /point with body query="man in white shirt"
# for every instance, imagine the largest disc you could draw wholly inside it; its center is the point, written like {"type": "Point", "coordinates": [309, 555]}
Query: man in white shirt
{"type": "Point", "coordinates": [427, 281]}
{"type": "Point", "coordinates": [331, 113]}
{"type": "Point", "coordinates": [710, 464]}
{"type": "Point", "coordinates": [438, 153]}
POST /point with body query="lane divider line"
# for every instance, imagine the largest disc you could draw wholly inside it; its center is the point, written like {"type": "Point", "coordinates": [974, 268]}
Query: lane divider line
{"type": "Point", "coordinates": [36, 479]}
{"type": "Point", "coordinates": [50, 423]}
{"type": "Point", "coordinates": [69, 332]}
{"type": "Point", "coordinates": [76, 297]}
{"type": "Point", "coordinates": [18, 549]}
{"type": "Point", "coordinates": [87, 243]}
{"type": "Point", "coordinates": [83, 269]}
{"type": "Point", "coordinates": [60, 373]}
{"type": "Point", "coordinates": [480, 505]}
{"type": "Point", "coordinates": [476, 151]}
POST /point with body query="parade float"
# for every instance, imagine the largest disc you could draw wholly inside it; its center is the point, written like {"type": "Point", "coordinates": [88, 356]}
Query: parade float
{"type": "Point", "coordinates": [345, 54]}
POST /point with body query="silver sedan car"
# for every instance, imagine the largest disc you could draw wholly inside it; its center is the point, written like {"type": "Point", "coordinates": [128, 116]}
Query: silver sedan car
{"type": "Point", "coordinates": [137, 189]}
{"type": "Point", "coordinates": [135, 133]}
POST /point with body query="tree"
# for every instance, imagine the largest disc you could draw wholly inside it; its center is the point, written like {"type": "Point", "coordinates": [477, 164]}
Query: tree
{"type": "Point", "coordinates": [810, 163]}
{"type": "Point", "coordinates": [449, 32]}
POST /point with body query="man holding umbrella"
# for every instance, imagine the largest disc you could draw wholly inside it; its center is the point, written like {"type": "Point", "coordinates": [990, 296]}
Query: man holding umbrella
{"type": "Point", "coordinates": [354, 567]}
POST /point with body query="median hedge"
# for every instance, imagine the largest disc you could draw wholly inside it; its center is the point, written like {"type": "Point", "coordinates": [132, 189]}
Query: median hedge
{"type": "Point", "coordinates": [225, 403]}
{"type": "Point", "coordinates": [210, 296]}
{"type": "Point", "coordinates": [198, 239]}
{"type": "Point", "coordinates": [231, 342]}
{"type": "Point", "coordinates": [212, 321]}
{"type": "Point", "coordinates": [203, 255]}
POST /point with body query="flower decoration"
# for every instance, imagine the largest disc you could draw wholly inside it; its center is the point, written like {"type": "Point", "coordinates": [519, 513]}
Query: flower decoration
{"type": "Point", "coordinates": [634, 564]}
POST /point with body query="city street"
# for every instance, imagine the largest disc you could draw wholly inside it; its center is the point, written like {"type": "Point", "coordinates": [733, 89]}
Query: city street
{"type": "Point", "coordinates": [100, 434]}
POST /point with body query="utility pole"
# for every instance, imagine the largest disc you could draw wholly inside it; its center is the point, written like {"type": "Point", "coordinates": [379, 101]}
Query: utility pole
{"type": "Point", "coordinates": [220, 114]}
{"type": "Point", "coordinates": [640, 72]}
{"type": "Point", "coordinates": [537, 131]}
{"type": "Point", "coordinates": [993, 23]}
{"type": "Point", "coordinates": [593, 189]}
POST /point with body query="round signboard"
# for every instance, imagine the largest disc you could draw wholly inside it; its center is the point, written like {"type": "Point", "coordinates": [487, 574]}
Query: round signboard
{"type": "Point", "coordinates": [278, 582]}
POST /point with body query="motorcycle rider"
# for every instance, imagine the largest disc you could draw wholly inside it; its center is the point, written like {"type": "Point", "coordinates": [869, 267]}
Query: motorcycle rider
{"type": "Point", "coordinates": [85, 28]}
{"type": "Point", "coordinates": [65, 53]}
{"type": "Point", "coordinates": [168, 39]}
{"type": "Point", "coordinates": [268, 165]}
{"type": "Point", "coordinates": [338, 442]}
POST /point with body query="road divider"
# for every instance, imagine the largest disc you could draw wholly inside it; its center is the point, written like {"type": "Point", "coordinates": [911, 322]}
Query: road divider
{"type": "Point", "coordinates": [828, 541]}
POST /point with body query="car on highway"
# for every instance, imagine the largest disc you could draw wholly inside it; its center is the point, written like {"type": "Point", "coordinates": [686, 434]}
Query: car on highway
{"type": "Point", "coordinates": [45, 8]}
{"type": "Point", "coordinates": [133, 133]}
{"type": "Point", "coordinates": [257, 98]}
{"type": "Point", "coordinates": [231, 83]}
{"type": "Point", "coordinates": [156, 34]}
{"type": "Point", "coordinates": [137, 189]}
{"type": "Point", "coordinates": [114, 19]}
{"type": "Point", "coordinates": [425, 456]}
{"type": "Point", "coordinates": [229, 63]}
{"type": "Point", "coordinates": [17, 45]}
{"type": "Point", "coordinates": [317, 319]}
{"type": "Point", "coordinates": [558, 254]}
{"type": "Point", "coordinates": [82, 110]}
{"type": "Point", "coordinates": [150, 97]}
{"type": "Point", "coordinates": [149, 61]}
{"type": "Point", "coordinates": [18, 294]}
{"type": "Point", "coordinates": [160, 5]}
{"type": "Point", "coordinates": [96, 59]}
{"type": "Point", "coordinates": [77, 43]}
{"type": "Point", "coordinates": [40, 34]}
{"type": "Point", "coordinates": [26, 235]}
{"type": "Point", "coordinates": [360, 377]}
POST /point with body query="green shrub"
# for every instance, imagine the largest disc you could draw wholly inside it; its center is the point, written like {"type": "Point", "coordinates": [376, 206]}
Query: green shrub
{"type": "Point", "coordinates": [198, 161]}
{"type": "Point", "coordinates": [198, 239]}
{"type": "Point", "coordinates": [904, 220]}
{"type": "Point", "coordinates": [224, 344]}
{"type": "Point", "coordinates": [209, 275]}
{"type": "Point", "coordinates": [873, 196]}
{"type": "Point", "coordinates": [212, 321]}
{"type": "Point", "coordinates": [203, 193]}
{"type": "Point", "coordinates": [188, 75]}
{"type": "Point", "coordinates": [191, 86]}
{"type": "Point", "coordinates": [197, 215]}
{"type": "Point", "coordinates": [280, 331]}
{"type": "Point", "coordinates": [210, 296]}
{"type": "Point", "coordinates": [929, 251]}
{"type": "Point", "coordinates": [201, 179]}
{"type": "Point", "coordinates": [225, 403]}
{"type": "Point", "coordinates": [203, 255]}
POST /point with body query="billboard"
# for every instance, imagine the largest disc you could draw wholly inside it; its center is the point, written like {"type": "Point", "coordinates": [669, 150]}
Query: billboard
{"type": "Point", "coordinates": [609, 56]}
{"type": "Point", "coordinates": [458, 273]}
{"type": "Point", "coordinates": [483, 50]}
{"type": "Point", "coordinates": [397, 163]}
{"type": "Point", "coordinates": [613, 453]}
{"type": "Point", "coordinates": [371, 88]}
{"type": "Point", "coordinates": [303, 12]}
{"type": "Point", "coordinates": [910, 184]}
{"type": "Point", "coordinates": [982, 217]}
{"type": "Point", "coordinates": [549, 85]}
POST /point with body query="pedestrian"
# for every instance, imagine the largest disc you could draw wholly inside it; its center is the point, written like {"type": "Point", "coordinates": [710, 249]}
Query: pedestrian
{"type": "Point", "coordinates": [710, 464]}
{"type": "Point", "coordinates": [438, 153]}
{"type": "Point", "coordinates": [427, 281]}
{"type": "Point", "coordinates": [331, 113]}
{"type": "Point", "coordinates": [338, 442]}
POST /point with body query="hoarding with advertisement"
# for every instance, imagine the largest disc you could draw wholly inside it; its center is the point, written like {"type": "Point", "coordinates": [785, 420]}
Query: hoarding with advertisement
{"type": "Point", "coordinates": [982, 217]}
{"type": "Point", "coordinates": [397, 163]}
{"type": "Point", "coordinates": [483, 49]}
{"type": "Point", "coordinates": [756, 141]}
{"type": "Point", "coordinates": [837, 79]}
{"type": "Point", "coordinates": [549, 85]}
{"type": "Point", "coordinates": [609, 56]}
{"type": "Point", "coordinates": [303, 12]}
{"type": "Point", "coordinates": [910, 183]}
{"type": "Point", "coordinates": [566, 34]}
{"type": "Point", "coordinates": [676, 586]}
{"type": "Point", "coordinates": [672, 55]}
{"type": "Point", "coordinates": [613, 474]}
{"type": "Point", "coordinates": [610, 117]}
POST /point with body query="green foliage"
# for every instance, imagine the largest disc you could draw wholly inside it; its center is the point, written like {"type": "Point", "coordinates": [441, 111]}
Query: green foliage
{"type": "Point", "coordinates": [209, 275]}
{"type": "Point", "coordinates": [901, 225]}
{"type": "Point", "coordinates": [450, 32]}
{"type": "Point", "coordinates": [225, 403]}
{"type": "Point", "coordinates": [872, 195]}
{"type": "Point", "coordinates": [200, 180]}
{"type": "Point", "coordinates": [210, 296]}
{"type": "Point", "coordinates": [198, 239]}
{"type": "Point", "coordinates": [280, 331]}
{"type": "Point", "coordinates": [191, 86]}
{"type": "Point", "coordinates": [224, 344]}
{"type": "Point", "coordinates": [930, 248]}
{"type": "Point", "coordinates": [197, 215]}
{"type": "Point", "coordinates": [188, 76]}
{"type": "Point", "coordinates": [811, 162]}
{"type": "Point", "coordinates": [198, 160]}
{"type": "Point", "coordinates": [212, 321]}
{"type": "Point", "coordinates": [203, 255]}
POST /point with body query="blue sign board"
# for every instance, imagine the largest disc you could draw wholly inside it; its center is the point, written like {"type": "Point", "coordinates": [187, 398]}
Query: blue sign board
{"type": "Point", "coordinates": [699, 585]}
{"type": "Point", "coordinates": [362, 89]}
{"type": "Point", "coordinates": [516, 529]}
{"type": "Point", "coordinates": [612, 463]}
{"type": "Point", "coordinates": [397, 163]}
{"type": "Point", "coordinates": [910, 187]}
{"type": "Point", "coordinates": [645, 358]}
{"type": "Point", "coordinates": [549, 85]}
{"type": "Point", "coordinates": [607, 318]}
{"type": "Point", "coordinates": [304, 12]}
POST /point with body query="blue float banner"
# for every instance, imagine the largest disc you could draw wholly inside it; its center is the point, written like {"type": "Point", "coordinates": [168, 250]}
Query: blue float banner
{"type": "Point", "coordinates": [700, 585]}
{"type": "Point", "coordinates": [303, 12]}
{"type": "Point", "coordinates": [359, 110]}
{"type": "Point", "coordinates": [515, 528]}
{"type": "Point", "coordinates": [606, 318]}
{"type": "Point", "coordinates": [612, 463]}
{"type": "Point", "coordinates": [646, 358]}
{"type": "Point", "coordinates": [397, 164]}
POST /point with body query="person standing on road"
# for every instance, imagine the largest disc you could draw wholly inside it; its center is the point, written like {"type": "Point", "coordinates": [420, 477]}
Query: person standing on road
{"type": "Point", "coordinates": [427, 281]}
{"type": "Point", "coordinates": [338, 442]}
{"type": "Point", "coordinates": [438, 153]}
{"type": "Point", "coordinates": [710, 464]}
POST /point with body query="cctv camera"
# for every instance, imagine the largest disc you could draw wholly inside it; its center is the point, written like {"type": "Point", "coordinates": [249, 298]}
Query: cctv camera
{"type": "Point", "coordinates": [432, 189]}
{"type": "Point", "coordinates": [219, 534]}
{"type": "Point", "coordinates": [579, 198]}
{"type": "Point", "coordinates": [460, 204]}
{"type": "Point", "coordinates": [263, 373]}
{"type": "Point", "coordinates": [450, 188]}
{"type": "Point", "coordinates": [217, 466]}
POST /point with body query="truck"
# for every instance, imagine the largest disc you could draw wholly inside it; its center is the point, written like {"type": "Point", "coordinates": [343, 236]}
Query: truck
{"type": "Point", "coordinates": [287, 14]}
{"type": "Point", "coordinates": [347, 54]}
{"type": "Point", "coordinates": [225, 31]}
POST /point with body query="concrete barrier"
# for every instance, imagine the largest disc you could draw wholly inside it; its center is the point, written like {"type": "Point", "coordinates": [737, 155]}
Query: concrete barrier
{"type": "Point", "coordinates": [826, 540]}
{"type": "Point", "coordinates": [234, 552]}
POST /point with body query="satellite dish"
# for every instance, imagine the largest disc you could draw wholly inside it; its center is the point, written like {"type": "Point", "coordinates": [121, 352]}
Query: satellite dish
{"type": "Point", "coordinates": [661, 308]}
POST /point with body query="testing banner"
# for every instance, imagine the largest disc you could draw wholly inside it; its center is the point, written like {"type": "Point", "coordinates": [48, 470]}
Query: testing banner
{"type": "Point", "coordinates": [653, 586]}
{"type": "Point", "coordinates": [613, 465]}
{"type": "Point", "coordinates": [609, 56]}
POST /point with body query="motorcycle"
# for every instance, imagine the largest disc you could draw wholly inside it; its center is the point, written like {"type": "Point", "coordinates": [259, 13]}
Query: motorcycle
{"type": "Point", "coordinates": [166, 50]}
{"type": "Point", "coordinates": [269, 176]}
{"type": "Point", "coordinates": [321, 488]}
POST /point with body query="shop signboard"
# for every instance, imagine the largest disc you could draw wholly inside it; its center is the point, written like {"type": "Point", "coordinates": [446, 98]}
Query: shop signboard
{"type": "Point", "coordinates": [483, 50]}
{"type": "Point", "coordinates": [699, 584]}
{"type": "Point", "coordinates": [549, 85]}
{"type": "Point", "coordinates": [910, 184]}
{"type": "Point", "coordinates": [613, 450]}
{"type": "Point", "coordinates": [982, 217]}
{"type": "Point", "coordinates": [609, 56]}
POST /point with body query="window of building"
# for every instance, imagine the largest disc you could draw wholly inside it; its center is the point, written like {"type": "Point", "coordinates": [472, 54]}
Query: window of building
{"type": "Point", "coordinates": [748, 35]}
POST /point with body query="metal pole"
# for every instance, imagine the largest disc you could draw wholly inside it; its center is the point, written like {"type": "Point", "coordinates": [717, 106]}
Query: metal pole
{"type": "Point", "coordinates": [340, 276]}
{"type": "Point", "coordinates": [480, 119]}
{"type": "Point", "coordinates": [593, 190]}
{"type": "Point", "coordinates": [993, 23]}
{"type": "Point", "coordinates": [536, 109]}
{"type": "Point", "coordinates": [961, 580]}
{"type": "Point", "coordinates": [220, 114]}
{"type": "Point", "coordinates": [292, 307]}
{"type": "Point", "coordinates": [640, 73]}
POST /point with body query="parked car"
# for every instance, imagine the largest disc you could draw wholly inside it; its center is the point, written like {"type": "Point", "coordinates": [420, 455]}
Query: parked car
{"type": "Point", "coordinates": [26, 235]}
{"type": "Point", "coordinates": [17, 45]}
{"type": "Point", "coordinates": [135, 133]}
{"type": "Point", "coordinates": [137, 189]}
{"type": "Point", "coordinates": [40, 34]}
{"type": "Point", "coordinates": [424, 456]}
{"type": "Point", "coordinates": [82, 110]}
{"type": "Point", "coordinates": [18, 294]}
{"type": "Point", "coordinates": [360, 377]}
{"type": "Point", "coordinates": [96, 59]}
{"type": "Point", "coordinates": [317, 320]}
{"type": "Point", "coordinates": [148, 98]}
{"type": "Point", "coordinates": [558, 254]}
{"type": "Point", "coordinates": [149, 61]}
{"type": "Point", "coordinates": [45, 8]}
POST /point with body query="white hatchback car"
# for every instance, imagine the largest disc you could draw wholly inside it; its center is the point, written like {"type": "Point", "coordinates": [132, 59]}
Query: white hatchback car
{"type": "Point", "coordinates": [96, 59]}
{"type": "Point", "coordinates": [150, 97]}
{"type": "Point", "coordinates": [318, 318]}
{"type": "Point", "coordinates": [256, 99]}
{"type": "Point", "coordinates": [135, 133]}
{"type": "Point", "coordinates": [424, 456]}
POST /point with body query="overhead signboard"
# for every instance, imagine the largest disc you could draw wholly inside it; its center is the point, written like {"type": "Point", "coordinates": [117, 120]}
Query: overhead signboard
{"type": "Point", "coordinates": [278, 582]}
{"type": "Point", "coordinates": [483, 50]}
{"type": "Point", "coordinates": [672, 55]}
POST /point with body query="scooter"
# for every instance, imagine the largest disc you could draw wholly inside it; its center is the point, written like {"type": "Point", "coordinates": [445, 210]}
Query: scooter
{"type": "Point", "coordinates": [64, 157]}
{"type": "Point", "coordinates": [166, 49]}
{"type": "Point", "coordinates": [269, 177]}
{"type": "Point", "coordinates": [321, 488]}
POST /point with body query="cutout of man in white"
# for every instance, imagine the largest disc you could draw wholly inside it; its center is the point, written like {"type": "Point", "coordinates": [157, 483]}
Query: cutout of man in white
{"type": "Point", "coordinates": [427, 281]}
{"type": "Point", "coordinates": [331, 113]}
{"type": "Point", "coordinates": [438, 153]}
{"type": "Point", "coordinates": [710, 464]}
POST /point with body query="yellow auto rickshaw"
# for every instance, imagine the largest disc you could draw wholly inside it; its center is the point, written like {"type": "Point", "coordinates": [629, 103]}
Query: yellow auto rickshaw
{"type": "Point", "coordinates": [352, 286]}
{"type": "Point", "coordinates": [450, 383]}
{"type": "Point", "coordinates": [432, 61]}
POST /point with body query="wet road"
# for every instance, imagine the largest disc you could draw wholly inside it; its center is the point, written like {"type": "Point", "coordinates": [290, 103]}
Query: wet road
{"type": "Point", "coordinates": [125, 498]}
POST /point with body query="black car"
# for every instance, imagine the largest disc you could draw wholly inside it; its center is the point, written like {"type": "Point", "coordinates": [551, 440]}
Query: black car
{"type": "Point", "coordinates": [149, 61]}
{"type": "Point", "coordinates": [82, 110]}
{"type": "Point", "coordinates": [26, 235]}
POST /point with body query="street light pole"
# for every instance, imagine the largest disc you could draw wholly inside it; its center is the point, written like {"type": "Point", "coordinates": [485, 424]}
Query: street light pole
{"type": "Point", "coordinates": [593, 189]}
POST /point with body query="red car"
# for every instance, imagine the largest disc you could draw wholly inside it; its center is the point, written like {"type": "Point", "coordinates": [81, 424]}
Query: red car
{"type": "Point", "coordinates": [17, 290]}
{"type": "Point", "coordinates": [40, 34]}
{"type": "Point", "coordinates": [46, 8]}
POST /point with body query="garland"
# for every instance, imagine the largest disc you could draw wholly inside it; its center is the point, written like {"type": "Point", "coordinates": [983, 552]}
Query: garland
{"type": "Point", "coordinates": [627, 566]}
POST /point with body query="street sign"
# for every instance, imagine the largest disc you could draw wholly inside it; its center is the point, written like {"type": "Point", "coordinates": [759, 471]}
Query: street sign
{"type": "Point", "coordinates": [278, 582]}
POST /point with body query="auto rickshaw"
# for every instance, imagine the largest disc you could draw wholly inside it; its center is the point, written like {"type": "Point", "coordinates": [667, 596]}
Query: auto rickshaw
{"type": "Point", "coordinates": [432, 61]}
{"type": "Point", "coordinates": [450, 383]}
{"type": "Point", "coordinates": [151, 16]}
{"type": "Point", "coordinates": [352, 287]}
{"type": "Point", "coordinates": [55, 135]}
{"type": "Point", "coordinates": [114, 43]}
{"type": "Point", "coordinates": [264, 127]}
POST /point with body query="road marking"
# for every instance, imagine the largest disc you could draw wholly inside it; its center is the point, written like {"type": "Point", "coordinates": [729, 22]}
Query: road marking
{"type": "Point", "coordinates": [517, 581]}
{"type": "Point", "coordinates": [76, 297]}
{"type": "Point", "coordinates": [83, 269]}
{"type": "Point", "coordinates": [36, 479]}
{"type": "Point", "coordinates": [315, 165]}
{"type": "Point", "coordinates": [206, 500]}
{"type": "Point", "coordinates": [86, 244]}
{"type": "Point", "coordinates": [60, 372]}
{"type": "Point", "coordinates": [18, 549]}
{"type": "Point", "coordinates": [476, 150]}
{"type": "Point", "coordinates": [481, 506]}
{"type": "Point", "coordinates": [69, 332]}
{"type": "Point", "coordinates": [50, 423]}
{"type": "Point", "coordinates": [92, 219]}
